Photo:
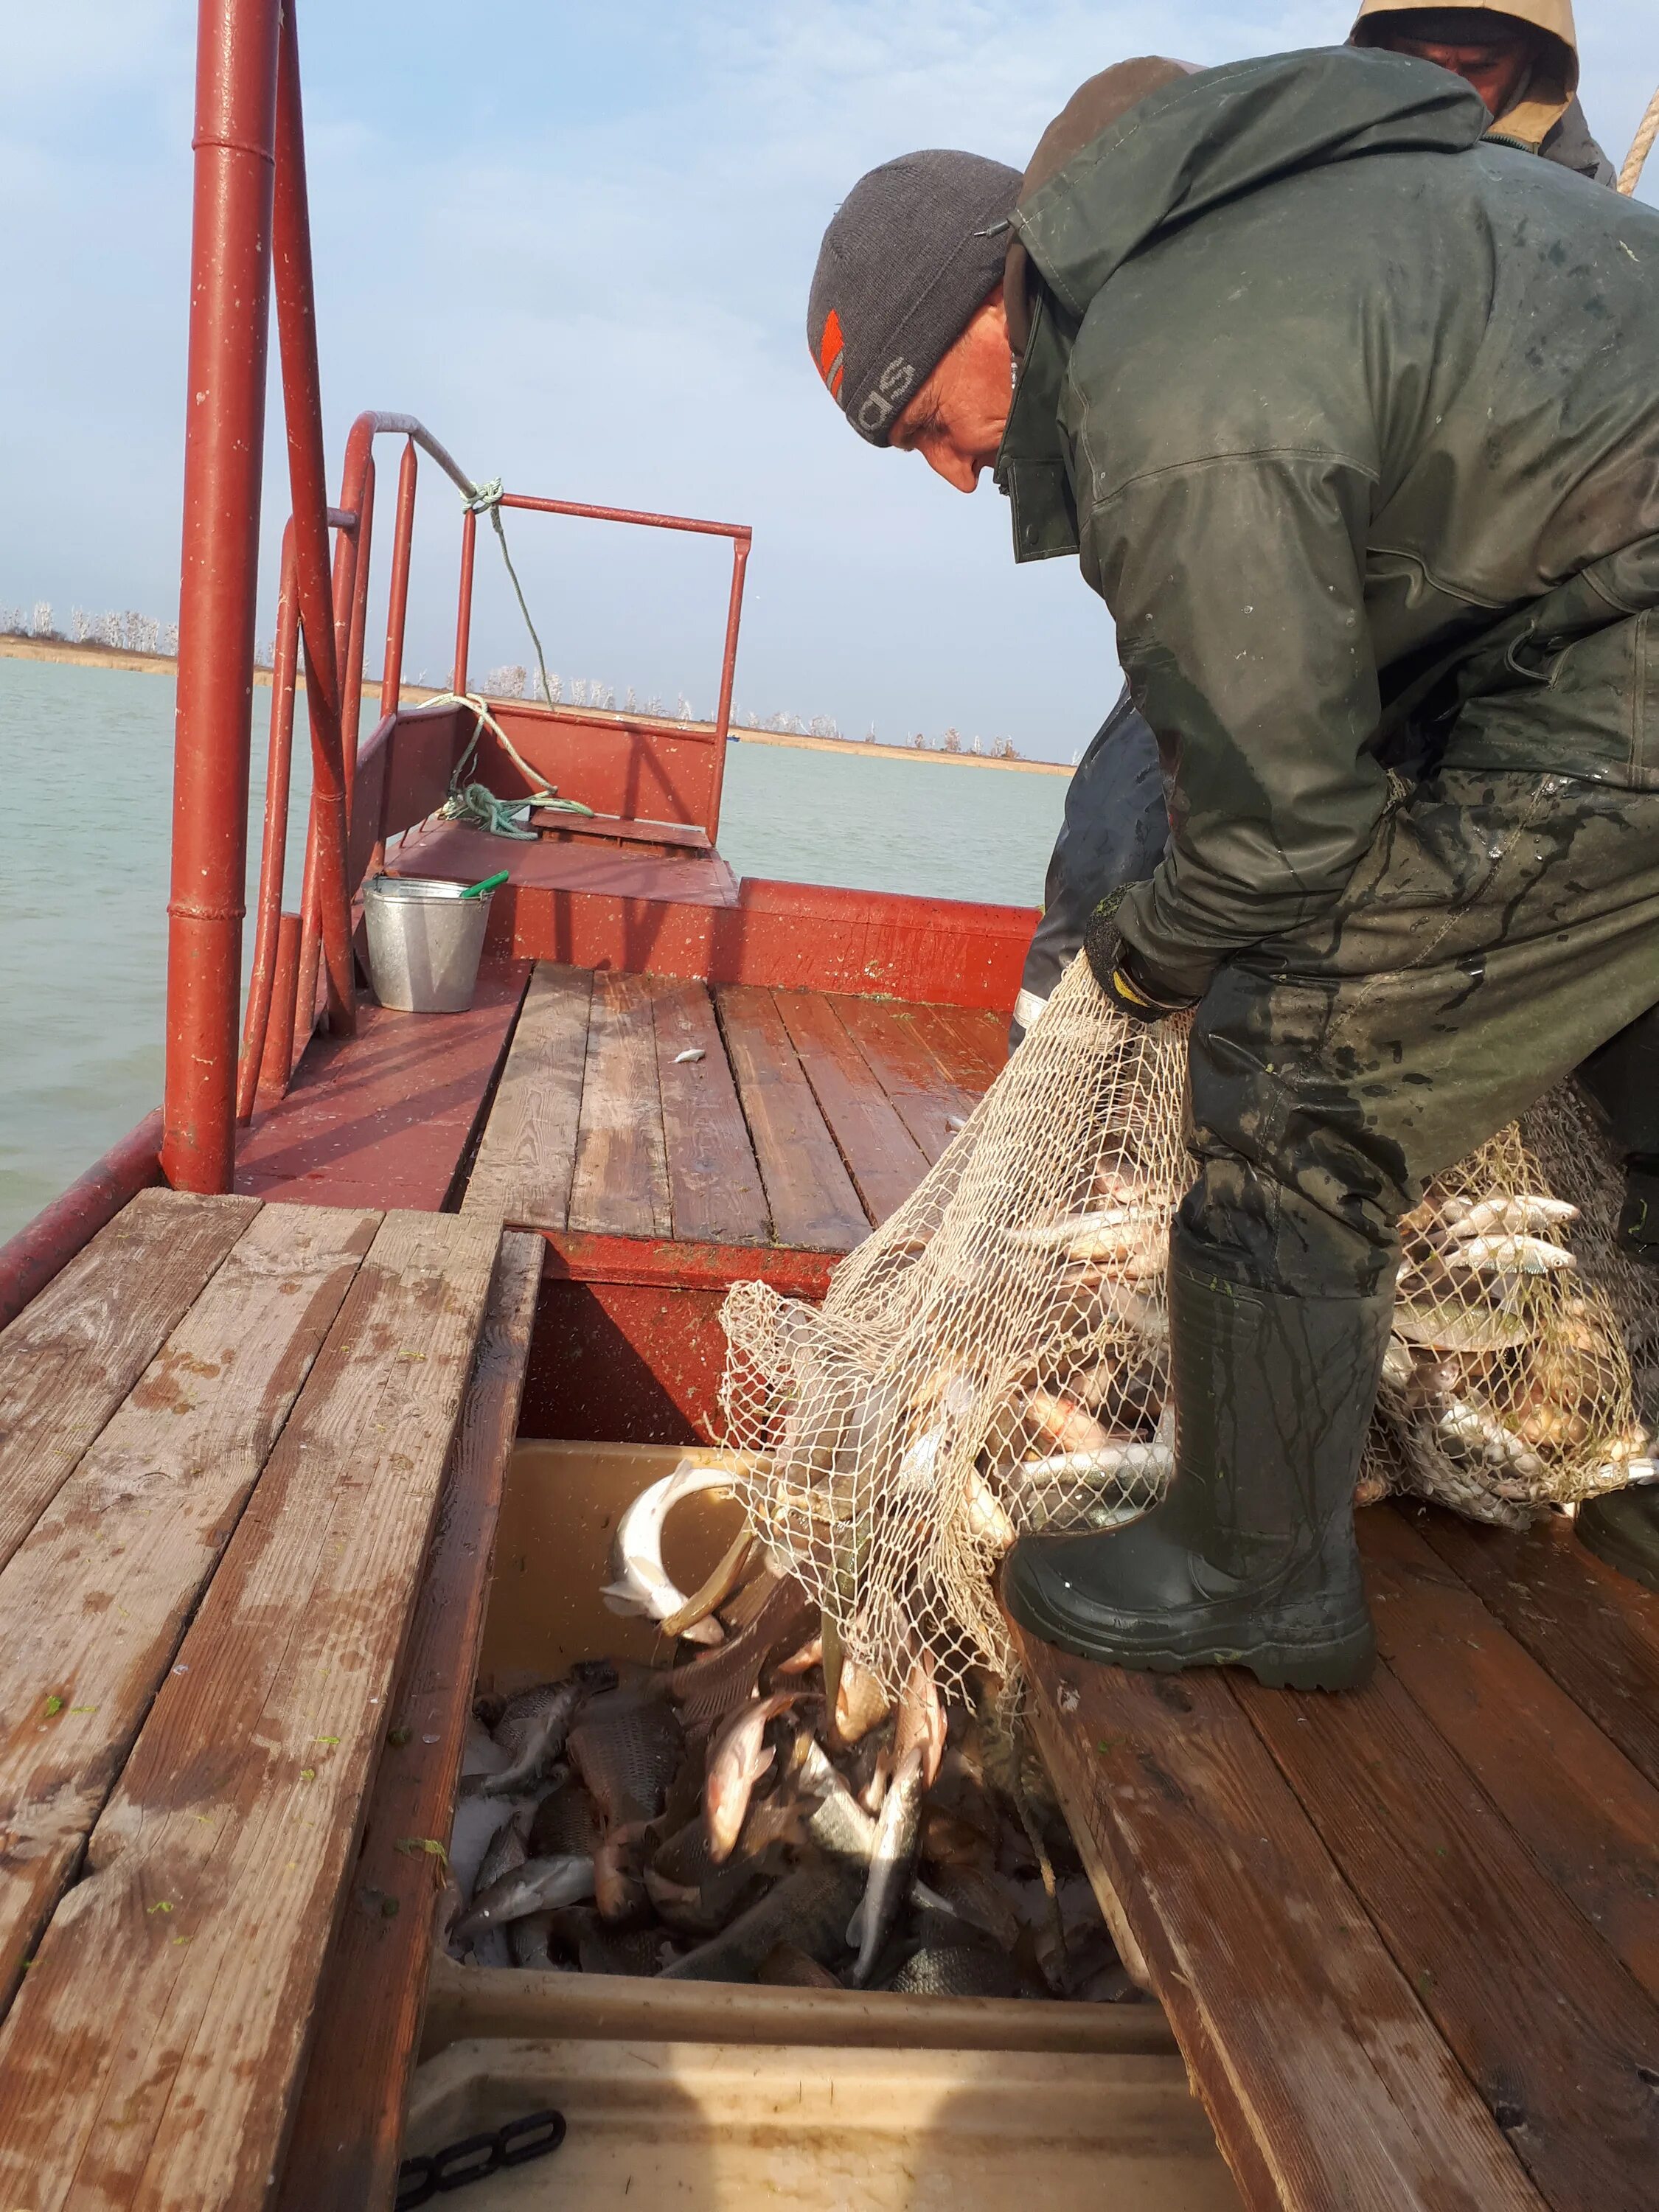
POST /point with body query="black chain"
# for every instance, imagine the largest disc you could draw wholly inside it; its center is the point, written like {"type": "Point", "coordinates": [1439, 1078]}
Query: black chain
{"type": "Point", "coordinates": [420, 2179]}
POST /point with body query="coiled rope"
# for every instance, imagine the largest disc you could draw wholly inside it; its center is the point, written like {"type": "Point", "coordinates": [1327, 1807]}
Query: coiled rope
{"type": "Point", "coordinates": [476, 802]}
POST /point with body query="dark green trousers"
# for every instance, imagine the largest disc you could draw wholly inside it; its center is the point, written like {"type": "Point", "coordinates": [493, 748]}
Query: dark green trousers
{"type": "Point", "coordinates": [1502, 929]}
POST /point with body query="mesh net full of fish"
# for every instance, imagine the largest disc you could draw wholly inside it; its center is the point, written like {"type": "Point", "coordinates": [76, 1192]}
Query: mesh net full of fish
{"type": "Point", "coordinates": [993, 1360]}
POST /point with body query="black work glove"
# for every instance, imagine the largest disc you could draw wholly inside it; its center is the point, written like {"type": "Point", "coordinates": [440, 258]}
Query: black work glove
{"type": "Point", "coordinates": [1121, 972]}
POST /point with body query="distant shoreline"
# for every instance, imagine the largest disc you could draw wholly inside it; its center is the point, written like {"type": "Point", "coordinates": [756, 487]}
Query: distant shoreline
{"type": "Point", "coordinates": [159, 664]}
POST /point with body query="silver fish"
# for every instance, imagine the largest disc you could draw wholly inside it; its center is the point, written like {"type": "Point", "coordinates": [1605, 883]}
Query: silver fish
{"type": "Point", "coordinates": [898, 1833]}
{"type": "Point", "coordinates": [835, 1821]}
{"type": "Point", "coordinates": [537, 1886]}
{"type": "Point", "coordinates": [1525, 1214]}
{"type": "Point", "coordinates": [533, 1726]}
{"type": "Point", "coordinates": [1052, 1236]}
{"type": "Point", "coordinates": [1510, 1256]}
{"type": "Point", "coordinates": [640, 1582]}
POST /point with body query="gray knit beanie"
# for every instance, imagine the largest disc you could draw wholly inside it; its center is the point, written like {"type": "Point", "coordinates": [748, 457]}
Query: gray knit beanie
{"type": "Point", "coordinates": [909, 254]}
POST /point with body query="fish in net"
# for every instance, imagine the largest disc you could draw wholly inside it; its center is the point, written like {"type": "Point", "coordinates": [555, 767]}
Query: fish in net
{"type": "Point", "coordinates": [993, 1360]}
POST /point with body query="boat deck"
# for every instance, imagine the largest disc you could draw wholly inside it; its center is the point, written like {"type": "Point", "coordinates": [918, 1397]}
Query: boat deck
{"type": "Point", "coordinates": [650, 1107]}
{"type": "Point", "coordinates": [1407, 1936]}
{"type": "Point", "coordinates": [227, 1433]}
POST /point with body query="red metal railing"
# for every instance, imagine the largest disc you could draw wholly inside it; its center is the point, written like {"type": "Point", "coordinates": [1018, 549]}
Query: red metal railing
{"type": "Point", "coordinates": [251, 239]}
{"type": "Point", "coordinates": [739, 532]}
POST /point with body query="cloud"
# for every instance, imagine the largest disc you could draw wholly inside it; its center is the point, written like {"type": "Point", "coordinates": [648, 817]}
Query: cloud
{"type": "Point", "coordinates": [577, 242]}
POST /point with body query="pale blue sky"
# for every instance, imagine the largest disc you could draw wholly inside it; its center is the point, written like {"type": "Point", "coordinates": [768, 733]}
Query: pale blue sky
{"type": "Point", "coordinates": [577, 241]}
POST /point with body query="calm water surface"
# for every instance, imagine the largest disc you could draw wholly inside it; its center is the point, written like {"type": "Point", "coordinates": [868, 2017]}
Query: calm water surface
{"type": "Point", "coordinates": [86, 763]}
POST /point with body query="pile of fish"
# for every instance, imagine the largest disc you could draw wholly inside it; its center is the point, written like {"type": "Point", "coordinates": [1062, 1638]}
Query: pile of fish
{"type": "Point", "coordinates": [1497, 1387]}
{"type": "Point", "coordinates": [761, 1812]}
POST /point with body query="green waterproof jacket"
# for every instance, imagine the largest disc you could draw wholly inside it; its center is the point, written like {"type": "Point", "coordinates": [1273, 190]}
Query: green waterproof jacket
{"type": "Point", "coordinates": [1351, 420]}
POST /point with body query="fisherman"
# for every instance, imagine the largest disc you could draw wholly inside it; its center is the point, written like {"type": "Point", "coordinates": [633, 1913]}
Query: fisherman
{"type": "Point", "coordinates": [1522, 59]}
{"type": "Point", "coordinates": [1336, 405]}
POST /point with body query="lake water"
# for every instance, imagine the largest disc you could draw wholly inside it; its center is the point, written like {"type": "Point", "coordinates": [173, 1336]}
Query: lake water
{"type": "Point", "coordinates": [86, 763]}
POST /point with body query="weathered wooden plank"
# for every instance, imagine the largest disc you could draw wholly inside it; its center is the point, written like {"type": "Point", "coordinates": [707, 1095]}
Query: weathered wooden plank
{"type": "Point", "coordinates": [883, 1157]}
{"type": "Point", "coordinates": [522, 1173]}
{"type": "Point", "coordinates": [151, 2057]}
{"type": "Point", "coordinates": [1325, 2082]}
{"type": "Point", "coordinates": [1596, 1631]}
{"type": "Point", "coordinates": [714, 1184]}
{"type": "Point", "coordinates": [970, 1044]}
{"type": "Point", "coordinates": [929, 1102]}
{"type": "Point", "coordinates": [1590, 1821]}
{"type": "Point", "coordinates": [71, 1357]}
{"type": "Point", "coordinates": [386, 1117]}
{"type": "Point", "coordinates": [95, 1601]}
{"type": "Point", "coordinates": [347, 2138]}
{"type": "Point", "coordinates": [620, 1187]}
{"type": "Point", "coordinates": [1542, 2016]}
{"type": "Point", "coordinates": [809, 1193]}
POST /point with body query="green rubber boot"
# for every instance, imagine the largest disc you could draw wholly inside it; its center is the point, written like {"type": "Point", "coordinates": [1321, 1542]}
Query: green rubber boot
{"type": "Point", "coordinates": [1622, 1529]}
{"type": "Point", "coordinates": [1249, 1559]}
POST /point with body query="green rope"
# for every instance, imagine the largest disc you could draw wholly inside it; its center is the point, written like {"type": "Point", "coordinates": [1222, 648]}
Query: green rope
{"type": "Point", "coordinates": [477, 802]}
{"type": "Point", "coordinates": [487, 500]}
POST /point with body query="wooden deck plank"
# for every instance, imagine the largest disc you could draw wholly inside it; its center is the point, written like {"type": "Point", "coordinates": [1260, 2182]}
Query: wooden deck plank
{"type": "Point", "coordinates": [72, 1355]}
{"type": "Point", "coordinates": [620, 1185]}
{"type": "Point", "coordinates": [1325, 2080]}
{"type": "Point", "coordinates": [714, 1187]}
{"type": "Point", "coordinates": [927, 1100]}
{"type": "Point", "coordinates": [385, 1118]}
{"type": "Point", "coordinates": [95, 1601]}
{"type": "Point", "coordinates": [1590, 1821]}
{"type": "Point", "coordinates": [884, 1160]}
{"type": "Point", "coordinates": [970, 1044]}
{"type": "Point", "coordinates": [1596, 1631]}
{"type": "Point", "coordinates": [347, 2139]}
{"type": "Point", "coordinates": [522, 1172]}
{"type": "Point", "coordinates": [151, 2057]}
{"type": "Point", "coordinates": [1543, 2019]}
{"type": "Point", "coordinates": [809, 1192]}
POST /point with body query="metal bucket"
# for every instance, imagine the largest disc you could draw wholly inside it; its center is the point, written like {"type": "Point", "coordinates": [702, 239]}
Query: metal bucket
{"type": "Point", "coordinates": [424, 941]}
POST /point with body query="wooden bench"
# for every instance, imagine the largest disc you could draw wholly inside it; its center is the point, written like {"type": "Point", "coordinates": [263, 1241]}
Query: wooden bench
{"type": "Point", "coordinates": [1407, 1936]}
{"type": "Point", "coordinates": [650, 1107]}
{"type": "Point", "coordinates": [225, 1432]}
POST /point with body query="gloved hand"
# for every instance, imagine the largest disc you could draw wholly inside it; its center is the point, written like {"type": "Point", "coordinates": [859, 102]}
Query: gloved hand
{"type": "Point", "coordinates": [1119, 970]}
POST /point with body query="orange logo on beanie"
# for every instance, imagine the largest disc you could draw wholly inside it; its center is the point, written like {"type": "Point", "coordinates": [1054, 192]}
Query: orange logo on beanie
{"type": "Point", "coordinates": [832, 354]}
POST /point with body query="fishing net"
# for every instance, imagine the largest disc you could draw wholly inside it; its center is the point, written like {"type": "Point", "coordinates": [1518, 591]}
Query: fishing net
{"type": "Point", "coordinates": [993, 1360]}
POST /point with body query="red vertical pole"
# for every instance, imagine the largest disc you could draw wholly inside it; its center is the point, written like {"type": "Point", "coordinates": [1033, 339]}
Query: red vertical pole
{"type": "Point", "coordinates": [463, 606]}
{"type": "Point", "coordinates": [351, 697]}
{"type": "Point", "coordinates": [728, 674]}
{"type": "Point", "coordinates": [277, 1060]}
{"type": "Point", "coordinates": [235, 146]}
{"type": "Point", "coordinates": [296, 330]}
{"type": "Point", "coordinates": [274, 851]}
{"type": "Point", "coordinates": [396, 612]}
